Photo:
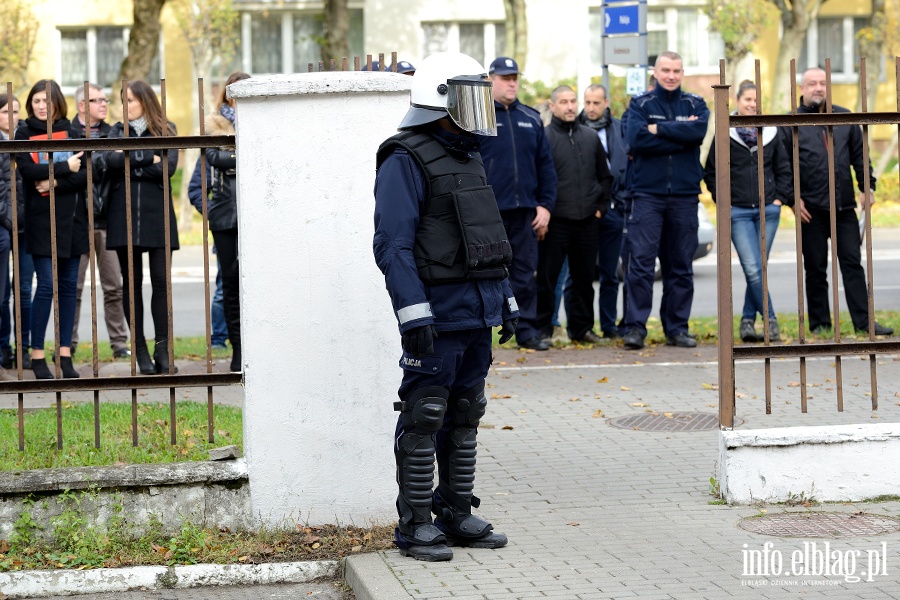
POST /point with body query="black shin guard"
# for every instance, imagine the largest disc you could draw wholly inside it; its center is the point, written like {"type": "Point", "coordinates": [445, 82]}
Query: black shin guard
{"type": "Point", "coordinates": [422, 414]}
{"type": "Point", "coordinates": [454, 498]}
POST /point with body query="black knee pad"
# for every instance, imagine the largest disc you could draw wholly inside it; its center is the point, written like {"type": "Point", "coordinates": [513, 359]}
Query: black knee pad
{"type": "Point", "coordinates": [423, 410]}
{"type": "Point", "coordinates": [468, 407]}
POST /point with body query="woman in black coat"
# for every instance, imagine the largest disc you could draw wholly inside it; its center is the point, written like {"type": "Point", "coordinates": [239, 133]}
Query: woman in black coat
{"type": "Point", "coordinates": [223, 216]}
{"type": "Point", "coordinates": [46, 101]}
{"type": "Point", "coordinates": [148, 201]}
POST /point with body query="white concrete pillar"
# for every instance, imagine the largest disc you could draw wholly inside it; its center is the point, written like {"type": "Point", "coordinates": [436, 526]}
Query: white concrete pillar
{"type": "Point", "coordinates": [320, 342]}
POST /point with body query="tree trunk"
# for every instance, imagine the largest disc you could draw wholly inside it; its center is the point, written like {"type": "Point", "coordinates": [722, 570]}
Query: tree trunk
{"type": "Point", "coordinates": [516, 32]}
{"type": "Point", "coordinates": [143, 42]}
{"type": "Point", "coordinates": [337, 29]}
{"type": "Point", "coordinates": [795, 22]}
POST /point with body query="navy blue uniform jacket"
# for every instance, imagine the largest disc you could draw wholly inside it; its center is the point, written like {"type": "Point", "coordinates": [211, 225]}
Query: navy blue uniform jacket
{"type": "Point", "coordinates": [666, 163]}
{"type": "Point", "coordinates": [518, 162]}
{"type": "Point", "coordinates": [399, 197]}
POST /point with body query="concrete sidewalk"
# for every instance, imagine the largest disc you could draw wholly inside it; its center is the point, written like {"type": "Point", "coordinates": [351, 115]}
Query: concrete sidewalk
{"type": "Point", "coordinates": [596, 512]}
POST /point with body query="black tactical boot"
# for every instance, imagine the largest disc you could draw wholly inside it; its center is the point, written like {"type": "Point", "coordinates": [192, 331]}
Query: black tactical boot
{"type": "Point", "coordinates": [453, 500]}
{"type": "Point", "coordinates": [421, 415]}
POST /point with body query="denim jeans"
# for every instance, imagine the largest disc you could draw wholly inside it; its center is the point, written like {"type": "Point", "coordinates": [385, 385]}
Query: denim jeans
{"type": "Point", "coordinates": [26, 273]}
{"type": "Point", "coordinates": [5, 324]}
{"type": "Point", "coordinates": [67, 272]}
{"type": "Point", "coordinates": [562, 284]}
{"type": "Point", "coordinates": [745, 235]}
{"type": "Point", "coordinates": [217, 310]}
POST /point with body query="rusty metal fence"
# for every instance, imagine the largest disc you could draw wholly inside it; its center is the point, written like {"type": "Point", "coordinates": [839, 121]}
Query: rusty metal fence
{"type": "Point", "coordinates": [135, 382]}
{"type": "Point", "coordinates": [95, 383]}
{"type": "Point", "coordinates": [729, 353]}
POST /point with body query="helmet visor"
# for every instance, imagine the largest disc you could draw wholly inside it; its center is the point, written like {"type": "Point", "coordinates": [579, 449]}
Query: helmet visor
{"type": "Point", "coordinates": [471, 105]}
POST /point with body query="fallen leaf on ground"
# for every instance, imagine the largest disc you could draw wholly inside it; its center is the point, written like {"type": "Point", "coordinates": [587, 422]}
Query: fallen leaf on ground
{"type": "Point", "coordinates": [793, 384]}
{"type": "Point", "coordinates": [639, 404]}
{"type": "Point", "coordinates": [522, 359]}
{"type": "Point", "coordinates": [496, 396]}
{"type": "Point", "coordinates": [507, 427]}
{"type": "Point", "coordinates": [625, 389]}
{"type": "Point", "coordinates": [668, 415]}
{"type": "Point", "coordinates": [575, 399]}
{"type": "Point", "coordinates": [606, 380]}
{"type": "Point", "coordinates": [574, 524]}
{"type": "Point", "coordinates": [598, 413]}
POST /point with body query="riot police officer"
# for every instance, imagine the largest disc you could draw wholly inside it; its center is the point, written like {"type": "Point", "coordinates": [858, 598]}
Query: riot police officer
{"type": "Point", "coordinates": [440, 242]}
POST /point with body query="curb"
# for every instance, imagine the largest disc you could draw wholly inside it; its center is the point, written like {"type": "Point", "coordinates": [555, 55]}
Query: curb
{"type": "Point", "coordinates": [66, 582]}
{"type": "Point", "coordinates": [370, 578]}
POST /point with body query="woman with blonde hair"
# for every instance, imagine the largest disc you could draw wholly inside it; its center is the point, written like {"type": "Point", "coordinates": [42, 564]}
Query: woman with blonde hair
{"type": "Point", "coordinates": [223, 215]}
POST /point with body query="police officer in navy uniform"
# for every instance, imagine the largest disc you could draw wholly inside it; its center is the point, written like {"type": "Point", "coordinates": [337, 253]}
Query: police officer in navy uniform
{"type": "Point", "coordinates": [519, 166]}
{"type": "Point", "coordinates": [664, 129]}
{"type": "Point", "coordinates": [440, 242]}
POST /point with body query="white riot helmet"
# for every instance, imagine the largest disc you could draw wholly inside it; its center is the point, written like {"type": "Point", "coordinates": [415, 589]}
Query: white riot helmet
{"type": "Point", "coordinates": [452, 84]}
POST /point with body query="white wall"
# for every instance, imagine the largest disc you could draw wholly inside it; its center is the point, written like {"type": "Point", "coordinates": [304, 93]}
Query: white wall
{"type": "Point", "coordinates": [320, 342]}
{"type": "Point", "coordinates": [833, 463]}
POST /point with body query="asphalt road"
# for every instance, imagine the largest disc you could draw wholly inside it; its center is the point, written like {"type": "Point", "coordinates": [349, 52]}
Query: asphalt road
{"type": "Point", "coordinates": [188, 286]}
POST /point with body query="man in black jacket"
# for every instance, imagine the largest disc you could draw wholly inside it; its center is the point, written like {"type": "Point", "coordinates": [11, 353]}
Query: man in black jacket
{"type": "Point", "coordinates": [107, 261]}
{"type": "Point", "coordinates": [582, 196]}
{"type": "Point", "coordinates": [597, 116]}
{"type": "Point", "coordinates": [815, 214]}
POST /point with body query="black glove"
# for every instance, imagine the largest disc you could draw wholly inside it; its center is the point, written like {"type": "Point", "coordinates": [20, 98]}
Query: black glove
{"type": "Point", "coordinates": [508, 329]}
{"type": "Point", "coordinates": [419, 341]}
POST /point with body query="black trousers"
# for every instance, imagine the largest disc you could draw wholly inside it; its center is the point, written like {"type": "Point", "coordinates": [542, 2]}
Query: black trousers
{"type": "Point", "coordinates": [227, 249]}
{"type": "Point", "coordinates": [158, 308]}
{"type": "Point", "coordinates": [575, 239]}
{"type": "Point", "coordinates": [524, 245]}
{"type": "Point", "coordinates": [815, 264]}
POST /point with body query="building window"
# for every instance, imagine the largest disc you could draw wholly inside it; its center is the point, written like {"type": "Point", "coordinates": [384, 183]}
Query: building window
{"type": "Point", "coordinates": [287, 41]}
{"type": "Point", "coordinates": [684, 30]}
{"type": "Point", "coordinates": [95, 54]}
{"type": "Point", "coordinates": [834, 38]}
{"type": "Point", "coordinates": [482, 41]}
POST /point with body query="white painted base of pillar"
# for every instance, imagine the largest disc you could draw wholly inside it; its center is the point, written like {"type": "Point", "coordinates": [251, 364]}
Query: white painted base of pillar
{"type": "Point", "coordinates": [834, 463]}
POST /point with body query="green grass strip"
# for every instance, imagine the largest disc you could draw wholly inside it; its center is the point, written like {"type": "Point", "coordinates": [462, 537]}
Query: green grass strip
{"type": "Point", "coordinates": [115, 429]}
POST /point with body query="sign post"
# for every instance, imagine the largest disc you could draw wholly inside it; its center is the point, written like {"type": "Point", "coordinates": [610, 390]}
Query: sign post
{"type": "Point", "coordinates": [625, 41]}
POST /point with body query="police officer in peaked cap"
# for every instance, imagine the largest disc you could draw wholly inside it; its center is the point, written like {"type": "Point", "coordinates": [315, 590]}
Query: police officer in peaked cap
{"type": "Point", "coordinates": [441, 245]}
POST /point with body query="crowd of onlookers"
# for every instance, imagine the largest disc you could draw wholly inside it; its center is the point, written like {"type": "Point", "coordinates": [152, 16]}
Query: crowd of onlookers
{"type": "Point", "coordinates": [575, 209]}
{"type": "Point", "coordinates": [588, 196]}
{"type": "Point", "coordinates": [120, 243]}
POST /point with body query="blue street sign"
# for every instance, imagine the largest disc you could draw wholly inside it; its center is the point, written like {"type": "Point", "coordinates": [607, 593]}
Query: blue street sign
{"type": "Point", "coordinates": [621, 19]}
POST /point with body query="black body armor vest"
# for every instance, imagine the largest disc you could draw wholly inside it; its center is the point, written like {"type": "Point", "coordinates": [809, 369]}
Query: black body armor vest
{"type": "Point", "coordinates": [460, 234]}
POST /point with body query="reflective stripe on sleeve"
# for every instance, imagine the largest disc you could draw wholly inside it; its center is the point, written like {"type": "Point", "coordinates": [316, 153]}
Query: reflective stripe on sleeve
{"type": "Point", "coordinates": [416, 311]}
{"type": "Point", "coordinates": [513, 305]}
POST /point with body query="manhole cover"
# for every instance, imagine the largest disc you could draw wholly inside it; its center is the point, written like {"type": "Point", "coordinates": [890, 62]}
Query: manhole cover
{"type": "Point", "coordinates": [821, 524]}
{"type": "Point", "coordinates": [669, 421]}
